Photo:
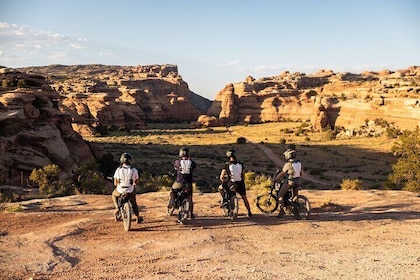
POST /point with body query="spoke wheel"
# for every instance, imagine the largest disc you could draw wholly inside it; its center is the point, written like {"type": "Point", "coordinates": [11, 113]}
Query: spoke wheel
{"type": "Point", "coordinates": [267, 203]}
{"type": "Point", "coordinates": [302, 207]}
{"type": "Point", "coordinates": [234, 207]}
{"type": "Point", "coordinates": [184, 212]}
{"type": "Point", "coordinates": [126, 216]}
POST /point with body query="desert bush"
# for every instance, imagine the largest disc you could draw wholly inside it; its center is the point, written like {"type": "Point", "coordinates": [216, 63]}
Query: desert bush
{"type": "Point", "coordinates": [7, 83]}
{"type": "Point", "coordinates": [148, 183]}
{"type": "Point", "coordinates": [166, 182]}
{"type": "Point", "coordinates": [241, 140]}
{"type": "Point", "coordinates": [327, 134]}
{"type": "Point", "coordinates": [406, 171]}
{"type": "Point", "coordinates": [102, 130]}
{"type": "Point", "coordinates": [89, 180]}
{"type": "Point", "coordinates": [351, 184]}
{"type": "Point", "coordinates": [256, 181]}
{"type": "Point", "coordinates": [107, 165]}
{"type": "Point", "coordinates": [392, 132]}
{"type": "Point", "coordinates": [7, 195]}
{"type": "Point", "coordinates": [48, 180]}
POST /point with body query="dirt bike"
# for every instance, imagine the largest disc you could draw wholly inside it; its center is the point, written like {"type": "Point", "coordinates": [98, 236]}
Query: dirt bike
{"type": "Point", "coordinates": [124, 210]}
{"type": "Point", "coordinates": [298, 205]}
{"type": "Point", "coordinates": [182, 203]}
{"type": "Point", "coordinates": [230, 205]}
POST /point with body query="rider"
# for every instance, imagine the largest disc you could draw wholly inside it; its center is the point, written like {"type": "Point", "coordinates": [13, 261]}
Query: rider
{"type": "Point", "coordinates": [126, 176]}
{"type": "Point", "coordinates": [184, 167]}
{"type": "Point", "coordinates": [293, 169]}
{"type": "Point", "coordinates": [233, 174]}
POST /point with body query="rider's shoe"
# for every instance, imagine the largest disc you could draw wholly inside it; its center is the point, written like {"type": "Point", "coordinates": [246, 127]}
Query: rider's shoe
{"type": "Point", "coordinates": [116, 214]}
{"type": "Point", "coordinates": [139, 219]}
{"type": "Point", "coordinates": [171, 204]}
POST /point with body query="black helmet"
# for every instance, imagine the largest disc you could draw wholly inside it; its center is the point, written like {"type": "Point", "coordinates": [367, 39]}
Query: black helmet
{"type": "Point", "coordinates": [289, 154]}
{"type": "Point", "coordinates": [230, 153]}
{"type": "Point", "coordinates": [126, 158]}
{"type": "Point", "coordinates": [184, 152]}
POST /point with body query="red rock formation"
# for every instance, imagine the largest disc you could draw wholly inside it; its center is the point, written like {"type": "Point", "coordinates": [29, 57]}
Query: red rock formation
{"type": "Point", "coordinates": [33, 131]}
{"type": "Point", "coordinates": [122, 96]}
{"type": "Point", "coordinates": [325, 98]}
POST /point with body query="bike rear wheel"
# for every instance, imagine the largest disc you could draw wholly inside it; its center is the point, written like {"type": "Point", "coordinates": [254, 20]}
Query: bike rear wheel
{"type": "Point", "coordinates": [267, 203]}
{"type": "Point", "coordinates": [126, 216]}
{"type": "Point", "coordinates": [184, 211]}
{"type": "Point", "coordinates": [301, 208]}
{"type": "Point", "coordinates": [234, 207]}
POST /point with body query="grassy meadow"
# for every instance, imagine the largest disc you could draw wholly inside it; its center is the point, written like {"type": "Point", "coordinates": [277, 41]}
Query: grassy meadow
{"type": "Point", "coordinates": [156, 148]}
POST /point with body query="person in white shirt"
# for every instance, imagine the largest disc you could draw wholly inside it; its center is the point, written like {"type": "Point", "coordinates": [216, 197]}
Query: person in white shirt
{"type": "Point", "coordinates": [293, 170]}
{"type": "Point", "coordinates": [184, 167]}
{"type": "Point", "coordinates": [233, 174]}
{"type": "Point", "coordinates": [126, 178]}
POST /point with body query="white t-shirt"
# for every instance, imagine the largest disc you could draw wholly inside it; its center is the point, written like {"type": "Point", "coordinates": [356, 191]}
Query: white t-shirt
{"type": "Point", "coordinates": [297, 168]}
{"type": "Point", "coordinates": [123, 175]}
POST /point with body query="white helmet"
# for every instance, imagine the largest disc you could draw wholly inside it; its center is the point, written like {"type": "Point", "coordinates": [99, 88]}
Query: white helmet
{"type": "Point", "coordinates": [289, 154]}
{"type": "Point", "coordinates": [126, 158]}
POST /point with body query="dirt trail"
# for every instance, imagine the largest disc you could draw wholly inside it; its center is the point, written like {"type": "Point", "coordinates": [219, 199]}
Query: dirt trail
{"type": "Point", "coordinates": [279, 163]}
{"type": "Point", "coordinates": [356, 235]}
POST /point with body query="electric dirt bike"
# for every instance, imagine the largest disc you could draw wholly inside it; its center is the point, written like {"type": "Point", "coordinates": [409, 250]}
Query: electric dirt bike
{"type": "Point", "coordinates": [124, 210]}
{"type": "Point", "coordinates": [298, 205]}
{"type": "Point", "coordinates": [230, 204]}
{"type": "Point", "coordinates": [182, 203]}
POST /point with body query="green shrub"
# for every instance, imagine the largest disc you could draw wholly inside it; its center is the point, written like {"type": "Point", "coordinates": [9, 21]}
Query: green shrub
{"type": "Point", "coordinates": [351, 184]}
{"type": "Point", "coordinates": [7, 195]}
{"type": "Point", "coordinates": [89, 181]}
{"type": "Point", "coordinates": [256, 181]}
{"type": "Point", "coordinates": [392, 132]}
{"type": "Point", "coordinates": [241, 140]}
{"type": "Point", "coordinates": [148, 183]}
{"type": "Point", "coordinates": [48, 180]}
{"type": "Point", "coordinates": [406, 171]}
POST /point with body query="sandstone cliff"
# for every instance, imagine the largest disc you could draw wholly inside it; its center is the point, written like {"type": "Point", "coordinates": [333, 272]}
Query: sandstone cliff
{"type": "Point", "coordinates": [122, 96]}
{"type": "Point", "coordinates": [34, 132]}
{"type": "Point", "coordinates": [325, 98]}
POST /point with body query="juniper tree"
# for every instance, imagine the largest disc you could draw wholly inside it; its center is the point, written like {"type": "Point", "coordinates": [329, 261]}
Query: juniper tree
{"type": "Point", "coordinates": [406, 171]}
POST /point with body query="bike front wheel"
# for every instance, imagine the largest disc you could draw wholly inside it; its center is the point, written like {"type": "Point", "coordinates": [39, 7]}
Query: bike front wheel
{"type": "Point", "coordinates": [301, 208]}
{"type": "Point", "coordinates": [267, 203]}
{"type": "Point", "coordinates": [126, 216]}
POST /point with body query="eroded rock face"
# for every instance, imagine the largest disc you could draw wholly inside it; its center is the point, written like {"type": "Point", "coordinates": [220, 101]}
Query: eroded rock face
{"type": "Point", "coordinates": [122, 96]}
{"type": "Point", "coordinates": [33, 131]}
{"type": "Point", "coordinates": [324, 98]}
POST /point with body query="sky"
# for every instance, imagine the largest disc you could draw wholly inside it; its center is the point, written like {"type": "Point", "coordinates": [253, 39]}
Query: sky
{"type": "Point", "coordinates": [214, 42]}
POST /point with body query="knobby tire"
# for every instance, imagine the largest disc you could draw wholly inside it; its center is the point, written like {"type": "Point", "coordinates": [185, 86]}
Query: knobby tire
{"type": "Point", "coordinates": [302, 209]}
{"type": "Point", "coordinates": [267, 203]}
{"type": "Point", "coordinates": [126, 216]}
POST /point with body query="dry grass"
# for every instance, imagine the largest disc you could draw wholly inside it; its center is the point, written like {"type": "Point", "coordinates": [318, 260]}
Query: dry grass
{"type": "Point", "coordinates": [155, 149]}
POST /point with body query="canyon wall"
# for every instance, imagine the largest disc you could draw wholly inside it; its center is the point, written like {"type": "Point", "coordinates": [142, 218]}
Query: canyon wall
{"type": "Point", "coordinates": [324, 98]}
{"type": "Point", "coordinates": [34, 131]}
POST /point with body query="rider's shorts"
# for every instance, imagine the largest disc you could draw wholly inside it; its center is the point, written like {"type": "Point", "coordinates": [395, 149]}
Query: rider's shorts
{"type": "Point", "coordinates": [240, 187]}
